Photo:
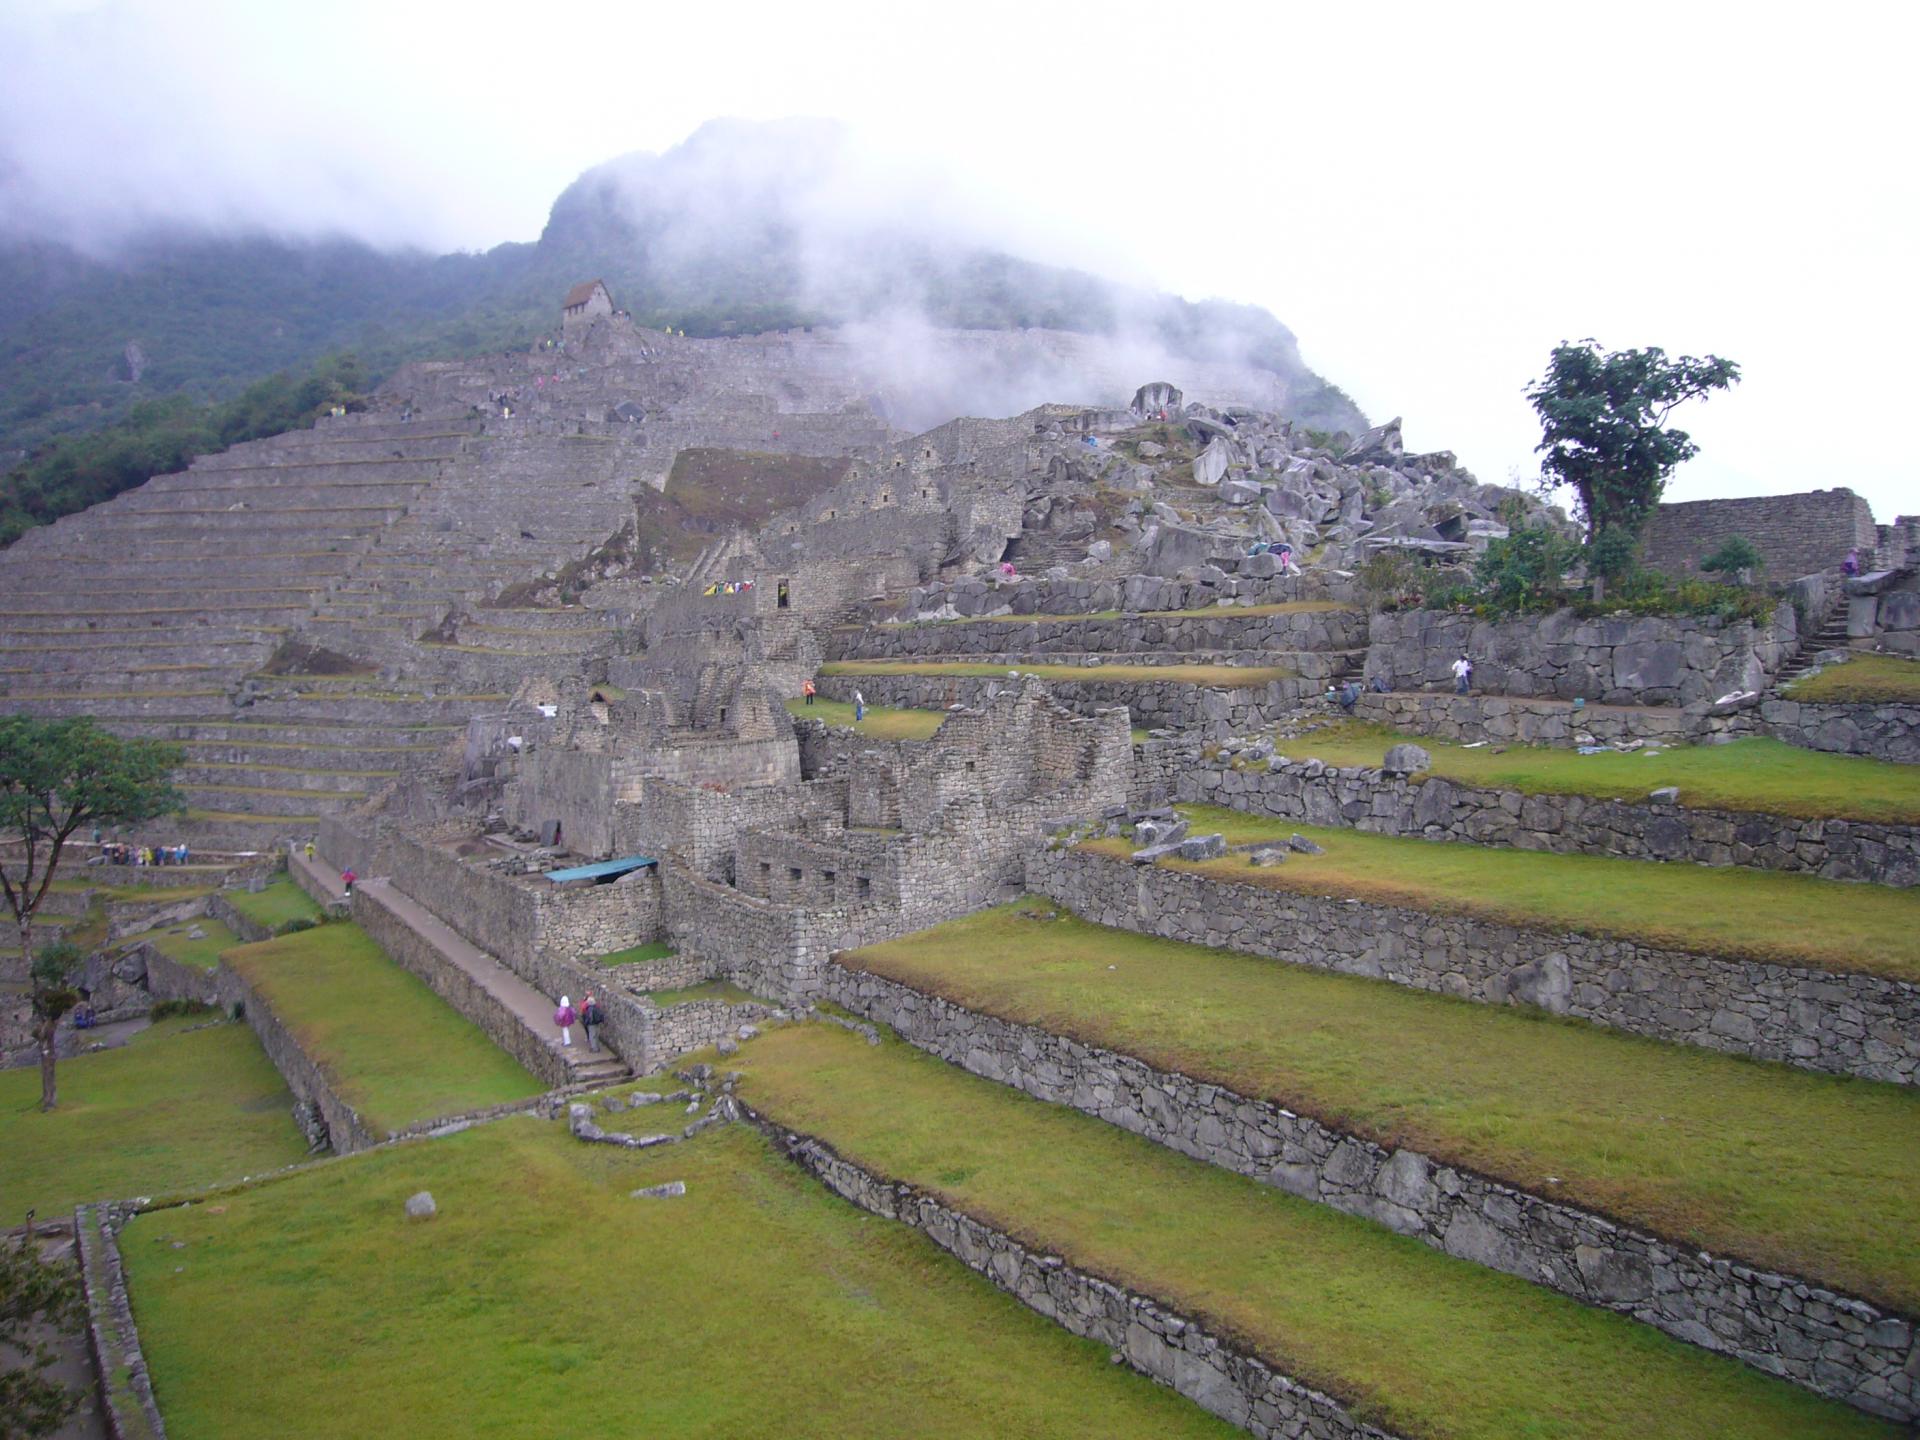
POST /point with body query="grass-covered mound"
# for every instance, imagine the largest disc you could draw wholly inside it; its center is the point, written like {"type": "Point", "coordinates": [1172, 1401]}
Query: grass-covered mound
{"type": "Point", "coordinates": [279, 903]}
{"type": "Point", "coordinates": [638, 954]}
{"type": "Point", "coordinates": [167, 1111]}
{"type": "Point", "coordinates": [177, 942]}
{"type": "Point", "coordinates": [1865, 679]}
{"type": "Point", "coordinates": [391, 1048]}
{"type": "Point", "coordinates": [542, 1300]}
{"type": "Point", "coordinates": [1811, 1174]}
{"type": "Point", "coordinates": [1756, 774]}
{"type": "Point", "coordinates": [1216, 676]}
{"type": "Point", "coordinates": [1720, 910]}
{"type": "Point", "coordinates": [1421, 1343]}
{"type": "Point", "coordinates": [881, 722]}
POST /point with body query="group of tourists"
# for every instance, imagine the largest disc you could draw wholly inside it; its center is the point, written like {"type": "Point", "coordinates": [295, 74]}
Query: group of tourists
{"type": "Point", "coordinates": [114, 853]}
{"type": "Point", "coordinates": [1280, 550]}
{"type": "Point", "coordinates": [589, 1017]}
{"type": "Point", "coordinates": [728, 587]}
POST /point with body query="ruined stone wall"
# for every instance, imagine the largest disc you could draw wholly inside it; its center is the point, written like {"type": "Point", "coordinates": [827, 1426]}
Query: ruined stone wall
{"type": "Point", "coordinates": [1505, 719]}
{"type": "Point", "coordinates": [1174, 1349]}
{"type": "Point", "coordinates": [1817, 1019]}
{"type": "Point", "coordinates": [1437, 809]}
{"type": "Point", "coordinates": [1795, 534]}
{"type": "Point", "coordinates": [1628, 661]}
{"type": "Point", "coordinates": [1885, 732]}
{"type": "Point", "coordinates": [1222, 631]}
{"type": "Point", "coordinates": [1153, 704]}
{"type": "Point", "coordinates": [307, 1080]}
{"type": "Point", "coordinates": [1830, 1343]}
{"type": "Point", "coordinates": [1038, 595]}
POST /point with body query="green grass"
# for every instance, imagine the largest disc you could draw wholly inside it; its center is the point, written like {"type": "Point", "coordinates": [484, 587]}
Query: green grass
{"type": "Point", "coordinates": [274, 906]}
{"type": "Point", "coordinates": [1416, 1340]}
{"type": "Point", "coordinates": [709, 990]}
{"type": "Point", "coordinates": [1865, 679]}
{"type": "Point", "coordinates": [165, 1112]}
{"type": "Point", "coordinates": [541, 1300]}
{"type": "Point", "coordinates": [176, 942]}
{"type": "Point", "coordinates": [1753, 774]}
{"type": "Point", "coordinates": [1723, 911]}
{"type": "Point", "coordinates": [392, 1048]}
{"type": "Point", "coordinates": [881, 722]}
{"type": "Point", "coordinates": [1220, 676]}
{"type": "Point", "coordinates": [1812, 1174]}
{"type": "Point", "coordinates": [638, 954]}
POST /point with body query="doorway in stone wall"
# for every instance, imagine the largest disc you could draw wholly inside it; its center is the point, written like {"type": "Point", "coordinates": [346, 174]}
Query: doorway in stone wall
{"type": "Point", "coordinates": [783, 597]}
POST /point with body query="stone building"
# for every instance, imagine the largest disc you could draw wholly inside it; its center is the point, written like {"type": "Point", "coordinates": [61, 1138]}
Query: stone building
{"type": "Point", "coordinates": [1795, 534]}
{"type": "Point", "coordinates": [586, 302]}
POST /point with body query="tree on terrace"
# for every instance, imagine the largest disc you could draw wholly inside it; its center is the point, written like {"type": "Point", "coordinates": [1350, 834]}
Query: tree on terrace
{"type": "Point", "coordinates": [55, 777]}
{"type": "Point", "coordinates": [1604, 431]}
{"type": "Point", "coordinates": [39, 1300]}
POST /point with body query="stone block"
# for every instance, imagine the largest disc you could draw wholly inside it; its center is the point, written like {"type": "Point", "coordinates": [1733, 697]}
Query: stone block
{"type": "Point", "coordinates": [421, 1207]}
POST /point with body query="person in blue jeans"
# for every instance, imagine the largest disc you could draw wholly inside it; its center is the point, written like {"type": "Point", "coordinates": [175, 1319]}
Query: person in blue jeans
{"type": "Point", "coordinates": [1462, 674]}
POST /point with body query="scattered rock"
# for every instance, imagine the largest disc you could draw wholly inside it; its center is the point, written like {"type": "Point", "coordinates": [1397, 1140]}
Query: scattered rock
{"type": "Point", "coordinates": [1407, 760]}
{"type": "Point", "coordinates": [421, 1206]}
{"type": "Point", "coordinates": [1304, 846]}
{"type": "Point", "coordinates": [661, 1192]}
{"type": "Point", "coordinates": [1203, 847]}
{"type": "Point", "coordinates": [1665, 795]}
{"type": "Point", "coordinates": [728, 1046]}
{"type": "Point", "coordinates": [1266, 856]}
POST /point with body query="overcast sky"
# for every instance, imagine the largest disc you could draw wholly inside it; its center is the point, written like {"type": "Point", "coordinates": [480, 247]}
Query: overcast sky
{"type": "Point", "coordinates": [1430, 195]}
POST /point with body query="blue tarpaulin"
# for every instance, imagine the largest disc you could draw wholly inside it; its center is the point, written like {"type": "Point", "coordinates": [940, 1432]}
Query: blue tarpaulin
{"type": "Point", "coordinates": [605, 870]}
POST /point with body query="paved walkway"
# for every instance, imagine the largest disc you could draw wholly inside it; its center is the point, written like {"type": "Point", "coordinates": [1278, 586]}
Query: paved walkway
{"type": "Point", "coordinates": [315, 876]}
{"type": "Point", "coordinates": [528, 1005]}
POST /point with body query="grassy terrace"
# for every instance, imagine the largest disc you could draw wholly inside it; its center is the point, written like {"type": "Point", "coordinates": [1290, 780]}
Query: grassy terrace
{"type": "Point", "coordinates": [274, 906]}
{"type": "Point", "coordinates": [393, 1049]}
{"type": "Point", "coordinates": [1218, 676]}
{"type": "Point", "coordinates": [1753, 774]}
{"type": "Point", "coordinates": [541, 1300]}
{"type": "Point", "coordinates": [1417, 1341]}
{"type": "Point", "coordinates": [724, 990]}
{"type": "Point", "coordinates": [1724, 911]}
{"type": "Point", "coordinates": [165, 1112]}
{"type": "Point", "coordinates": [638, 954]}
{"type": "Point", "coordinates": [1808, 1173]}
{"type": "Point", "coordinates": [176, 941]}
{"type": "Point", "coordinates": [882, 722]}
{"type": "Point", "coordinates": [1866, 679]}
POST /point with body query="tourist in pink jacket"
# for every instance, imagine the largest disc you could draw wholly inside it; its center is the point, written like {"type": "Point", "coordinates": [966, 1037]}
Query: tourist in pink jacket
{"type": "Point", "coordinates": [565, 1018]}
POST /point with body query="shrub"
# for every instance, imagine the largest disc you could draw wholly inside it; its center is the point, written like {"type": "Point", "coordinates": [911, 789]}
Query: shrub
{"type": "Point", "coordinates": [295, 925]}
{"type": "Point", "coordinates": [1736, 558]}
{"type": "Point", "coordinates": [167, 1009]}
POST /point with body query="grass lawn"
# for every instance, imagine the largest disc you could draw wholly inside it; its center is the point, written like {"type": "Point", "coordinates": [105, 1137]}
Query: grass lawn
{"type": "Point", "coordinates": [393, 1049]}
{"type": "Point", "coordinates": [1869, 679]}
{"type": "Point", "coordinates": [176, 942]}
{"type": "Point", "coordinates": [1753, 774]}
{"type": "Point", "coordinates": [638, 954]}
{"type": "Point", "coordinates": [882, 722]}
{"type": "Point", "coordinates": [542, 1300]}
{"type": "Point", "coordinates": [165, 1112]}
{"type": "Point", "coordinates": [1812, 1174]}
{"type": "Point", "coordinates": [1418, 1341]}
{"type": "Point", "coordinates": [1219, 676]}
{"type": "Point", "coordinates": [709, 990]}
{"type": "Point", "coordinates": [276, 905]}
{"type": "Point", "coordinates": [1714, 910]}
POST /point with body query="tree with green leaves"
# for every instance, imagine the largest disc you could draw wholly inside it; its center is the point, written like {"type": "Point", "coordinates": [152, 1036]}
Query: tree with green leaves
{"type": "Point", "coordinates": [38, 1298]}
{"type": "Point", "coordinates": [55, 777]}
{"type": "Point", "coordinates": [1604, 433]}
{"type": "Point", "coordinates": [1736, 559]}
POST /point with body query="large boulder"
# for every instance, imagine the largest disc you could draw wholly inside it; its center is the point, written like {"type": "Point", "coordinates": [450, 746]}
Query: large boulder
{"type": "Point", "coordinates": [1407, 760]}
{"type": "Point", "coordinates": [1154, 398]}
{"type": "Point", "coordinates": [1210, 465]}
{"type": "Point", "coordinates": [1239, 492]}
{"type": "Point", "coordinates": [1179, 547]}
{"type": "Point", "coordinates": [1900, 610]}
{"type": "Point", "coordinates": [1382, 444]}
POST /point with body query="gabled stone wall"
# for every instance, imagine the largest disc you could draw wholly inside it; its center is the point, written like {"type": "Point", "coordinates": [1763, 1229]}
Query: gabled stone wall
{"type": "Point", "coordinates": [1795, 534]}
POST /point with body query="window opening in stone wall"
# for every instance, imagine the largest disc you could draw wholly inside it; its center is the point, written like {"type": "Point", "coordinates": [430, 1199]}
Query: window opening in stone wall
{"type": "Point", "coordinates": [865, 886]}
{"type": "Point", "coordinates": [766, 869]}
{"type": "Point", "coordinates": [970, 767]}
{"type": "Point", "coordinates": [828, 876]}
{"type": "Point", "coordinates": [785, 598]}
{"type": "Point", "coordinates": [794, 874]}
{"type": "Point", "coordinates": [723, 714]}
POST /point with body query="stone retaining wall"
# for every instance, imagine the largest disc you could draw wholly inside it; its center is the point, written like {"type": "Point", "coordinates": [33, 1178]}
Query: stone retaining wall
{"type": "Point", "coordinates": [1174, 1349]}
{"type": "Point", "coordinates": [1885, 732]}
{"type": "Point", "coordinates": [1224, 629]}
{"type": "Point", "coordinates": [1815, 1019]}
{"type": "Point", "coordinates": [1437, 809]}
{"type": "Point", "coordinates": [1832, 1344]}
{"type": "Point", "coordinates": [1152, 704]}
{"type": "Point", "coordinates": [1139, 593]}
{"type": "Point", "coordinates": [1646, 660]}
{"type": "Point", "coordinates": [127, 1405]}
{"type": "Point", "coordinates": [1511, 719]}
